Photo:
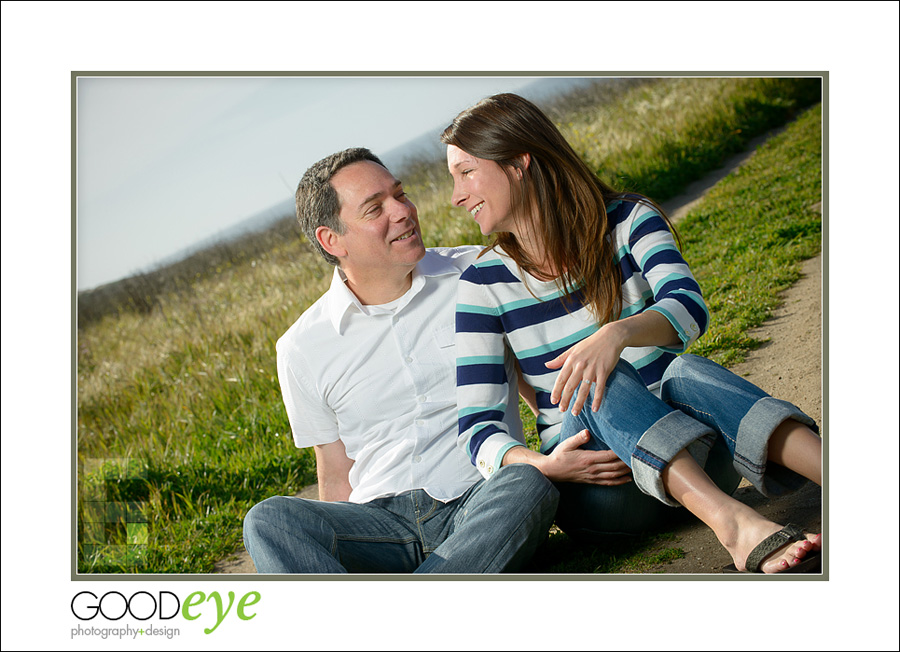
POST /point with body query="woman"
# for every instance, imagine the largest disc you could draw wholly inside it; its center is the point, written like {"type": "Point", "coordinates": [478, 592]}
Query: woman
{"type": "Point", "coordinates": [586, 288]}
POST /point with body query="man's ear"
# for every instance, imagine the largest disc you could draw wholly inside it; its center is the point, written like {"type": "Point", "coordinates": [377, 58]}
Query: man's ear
{"type": "Point", "coordinates": [330, 241]}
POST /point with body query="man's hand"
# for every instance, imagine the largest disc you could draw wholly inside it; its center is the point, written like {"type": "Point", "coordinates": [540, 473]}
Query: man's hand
{"type": "Point", "coordinates": [571, 463]}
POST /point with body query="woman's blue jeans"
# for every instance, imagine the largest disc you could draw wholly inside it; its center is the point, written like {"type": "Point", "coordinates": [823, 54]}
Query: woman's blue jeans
{"type": "Point", "coordinates": [722, 420]}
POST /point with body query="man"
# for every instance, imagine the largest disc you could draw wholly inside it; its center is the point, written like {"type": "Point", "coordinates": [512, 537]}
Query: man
{"type": "Point", "coordinates": [368, 379]}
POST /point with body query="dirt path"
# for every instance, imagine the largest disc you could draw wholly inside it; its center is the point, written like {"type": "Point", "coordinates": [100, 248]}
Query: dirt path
{"type": "Point", "coordinates": [788, 366]}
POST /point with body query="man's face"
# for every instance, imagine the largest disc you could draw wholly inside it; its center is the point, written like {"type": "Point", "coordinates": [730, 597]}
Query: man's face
{"type": "Point", "coordinates": [382, 225]}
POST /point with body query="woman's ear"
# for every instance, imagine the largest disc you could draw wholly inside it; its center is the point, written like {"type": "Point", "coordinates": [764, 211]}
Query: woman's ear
{"type": "Point", "coordinates": [524, 160]}
{"type": "Point", "coordinates": [330, 241]}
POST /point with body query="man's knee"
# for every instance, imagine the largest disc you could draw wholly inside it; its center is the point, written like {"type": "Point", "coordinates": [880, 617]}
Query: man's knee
{"type": "Point", "coordinates": [268, 513]}
{"type": "Point", "coordinates": [256, 518]}
{"type": "Point", "coordinates": [530, 481]}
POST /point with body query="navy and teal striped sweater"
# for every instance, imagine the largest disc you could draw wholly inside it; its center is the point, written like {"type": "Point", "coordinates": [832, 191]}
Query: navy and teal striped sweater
{"type": "Point", "coordinates": [497, 317]}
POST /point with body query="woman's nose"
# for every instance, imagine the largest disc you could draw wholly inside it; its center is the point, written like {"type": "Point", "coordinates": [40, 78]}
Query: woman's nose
{"type": "Point", "coordinates": [457, 198]}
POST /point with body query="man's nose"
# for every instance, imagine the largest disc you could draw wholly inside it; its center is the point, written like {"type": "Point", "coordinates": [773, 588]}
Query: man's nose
{"type": "Point", "coordinates": [402, 210]}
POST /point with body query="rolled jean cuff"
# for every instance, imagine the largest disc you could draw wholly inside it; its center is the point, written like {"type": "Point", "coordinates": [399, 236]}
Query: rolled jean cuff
{"type": "Point", "coordinates": [660, 443]}
{"type": "Point", "coordinates": [751, 450]}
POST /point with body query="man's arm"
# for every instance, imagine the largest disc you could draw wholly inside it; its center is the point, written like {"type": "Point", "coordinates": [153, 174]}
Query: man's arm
{"type": "Point", "coordinates": [333, 471]}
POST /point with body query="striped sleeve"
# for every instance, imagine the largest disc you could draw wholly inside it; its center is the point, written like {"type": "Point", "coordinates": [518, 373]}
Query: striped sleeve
{"type": "Point", "coordinates": [649, 257]}
{"type": "Point", "coordinates": [483, 367]}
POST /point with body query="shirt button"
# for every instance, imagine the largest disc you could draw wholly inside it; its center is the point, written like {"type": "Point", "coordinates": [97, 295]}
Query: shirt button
{"type": "Point", "coordinates": [420, 422]}
{"type": "Point", "coordinates": [694, 327]}
{"type": "Point", "coordinates": [408, 358]}
{"type": "Point", "coordinates": [417, 458]}
{"type": "Point", "coordinates": [490, 469]}
{"type": "Point", "coordinates": [481, 463]}
{"type": "Point", "coordinates": [420, 399]}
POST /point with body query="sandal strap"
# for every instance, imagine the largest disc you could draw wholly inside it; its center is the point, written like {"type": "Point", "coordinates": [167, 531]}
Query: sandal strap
{"type": "Point", "coordinates": [788, 534]}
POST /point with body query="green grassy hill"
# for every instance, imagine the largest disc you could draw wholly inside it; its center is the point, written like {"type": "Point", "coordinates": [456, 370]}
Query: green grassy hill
{"type": "Point", "coordinates": [180, 423]}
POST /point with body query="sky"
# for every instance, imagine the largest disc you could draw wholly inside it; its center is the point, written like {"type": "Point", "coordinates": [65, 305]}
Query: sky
{"type": "Point", "coordinates": [856, 44]}
{"type": "Point", "coordinates": [165, 162]}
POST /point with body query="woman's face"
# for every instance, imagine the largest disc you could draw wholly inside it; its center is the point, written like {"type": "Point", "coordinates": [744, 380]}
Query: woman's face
{"type": "Point", "coordinates": [482, 188]}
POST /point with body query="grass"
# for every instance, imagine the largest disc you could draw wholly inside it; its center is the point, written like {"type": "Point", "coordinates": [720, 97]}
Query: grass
{"type": "Point", "coordinates": [766, 219]}
{"type": "Point", "coordinates": [641, 554]}
{"type": "Point", "coordinates": [180, 424]}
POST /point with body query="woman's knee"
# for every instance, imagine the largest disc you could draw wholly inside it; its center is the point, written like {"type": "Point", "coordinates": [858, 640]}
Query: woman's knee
{"type": "Point", "coordinates": [683, 366]}
{"type": "Point", "coordinates": [625, 373]}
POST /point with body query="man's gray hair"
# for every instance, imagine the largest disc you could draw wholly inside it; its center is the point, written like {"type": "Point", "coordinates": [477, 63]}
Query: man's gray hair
{"type": "Point", "coordinates": [317, 201]}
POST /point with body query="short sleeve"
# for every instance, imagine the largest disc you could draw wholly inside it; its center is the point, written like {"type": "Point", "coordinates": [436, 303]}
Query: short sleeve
{"type": "Point", "coordinates": [312, 421]}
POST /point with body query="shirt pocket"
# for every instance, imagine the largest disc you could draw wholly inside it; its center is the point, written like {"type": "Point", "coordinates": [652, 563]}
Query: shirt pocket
{"type": "Point", "coordinates": [445, 336]}
{"type": "Point", "coordinates": [445, 341]}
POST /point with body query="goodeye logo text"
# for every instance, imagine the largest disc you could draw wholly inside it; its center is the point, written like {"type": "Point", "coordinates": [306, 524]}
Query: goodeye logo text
{"type": "Point", "coordinates": [165, 605]}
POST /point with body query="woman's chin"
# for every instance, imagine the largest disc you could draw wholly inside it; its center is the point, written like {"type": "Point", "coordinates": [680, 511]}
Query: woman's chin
{"type": "Point", "coordinates": [484, 229]}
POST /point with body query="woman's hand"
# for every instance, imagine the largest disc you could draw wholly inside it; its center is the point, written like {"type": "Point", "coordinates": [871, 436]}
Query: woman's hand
{"type": "Point", "coordinates": [589, 361]}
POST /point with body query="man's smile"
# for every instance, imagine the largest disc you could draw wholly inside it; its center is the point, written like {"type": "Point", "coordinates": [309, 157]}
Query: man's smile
{"type": "Point", "coordinates": [405, 236]}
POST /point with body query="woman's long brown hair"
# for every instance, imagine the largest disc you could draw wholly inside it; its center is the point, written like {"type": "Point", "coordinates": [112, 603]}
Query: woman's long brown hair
{"type": "Point", "coordinates": [566, 201]}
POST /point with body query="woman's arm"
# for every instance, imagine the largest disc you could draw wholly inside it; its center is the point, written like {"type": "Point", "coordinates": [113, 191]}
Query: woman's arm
{"type": "Point", "coordinates": [675, 317]}
{"type": "Point", "coordinates": [526, 391]}
{"type": "Point", "coordinates": [568, 462]}
{"type": "Point", "coordinates": [483, 390]}
{"type": "Point", "coordinates": [594, 358]}
{"type": "Point", "coordinates": [482, 376]}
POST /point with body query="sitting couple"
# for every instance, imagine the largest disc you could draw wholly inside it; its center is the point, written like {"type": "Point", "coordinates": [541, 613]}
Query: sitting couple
{"type": "Point", "coordinates": [581, 305]}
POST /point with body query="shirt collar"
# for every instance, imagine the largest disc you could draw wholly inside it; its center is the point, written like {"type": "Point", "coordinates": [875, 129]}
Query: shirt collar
{"type": "Point", "coordinates": [341, 299]}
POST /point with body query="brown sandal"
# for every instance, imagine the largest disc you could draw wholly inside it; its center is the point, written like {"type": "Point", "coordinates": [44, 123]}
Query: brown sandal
{"type": "Point", "coordinates": [811, 563]}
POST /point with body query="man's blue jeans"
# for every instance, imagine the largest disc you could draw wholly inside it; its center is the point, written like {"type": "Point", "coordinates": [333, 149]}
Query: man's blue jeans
{"type": "Point", "coordinates": [723, 420]}
{"type": "Point", "coordinates": [495, 526]}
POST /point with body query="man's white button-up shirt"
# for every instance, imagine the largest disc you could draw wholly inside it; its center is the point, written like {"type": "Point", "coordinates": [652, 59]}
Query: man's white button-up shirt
{"type": "Point", "coordinates": [384, 383]}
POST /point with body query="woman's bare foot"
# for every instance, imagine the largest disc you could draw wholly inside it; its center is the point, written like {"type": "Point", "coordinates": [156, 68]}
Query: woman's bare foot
{"type": "Point", "coordinates": [752, 529]}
